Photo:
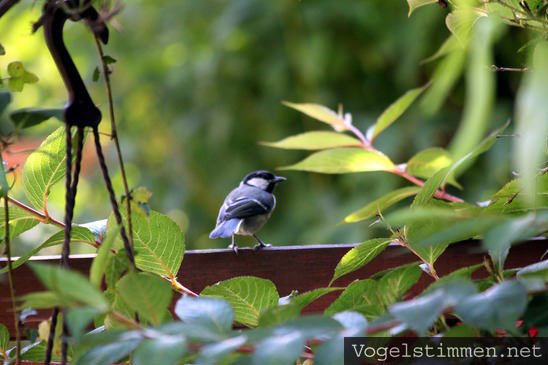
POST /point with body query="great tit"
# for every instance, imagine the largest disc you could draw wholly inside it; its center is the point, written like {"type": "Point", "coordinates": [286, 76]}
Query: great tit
{"type": "Point", "coordinates": [247, 208]}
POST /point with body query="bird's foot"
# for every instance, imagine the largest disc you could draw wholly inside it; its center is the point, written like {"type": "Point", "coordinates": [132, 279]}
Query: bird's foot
{"type": "Point", "coordinates": [260, 245]}
{"type": "Point", "coordinates": [234, 247]}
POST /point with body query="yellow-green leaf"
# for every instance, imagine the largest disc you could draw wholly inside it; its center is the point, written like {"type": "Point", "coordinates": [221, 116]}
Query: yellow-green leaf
{"type": "Point", "coordinates": [414, 4]}
{"type": "Point", "coordinates": [317, 140]}
{"type": "Point", "coordinates": [319, 112]}
{"type": "Point", "coordinates": [381, 203]}
{"type": "Point", "coordinates": [426, 163]}
{"type": "Point", "coordinates": [343, 160]}
{"type": "Point", "coordinates": [395, 110]}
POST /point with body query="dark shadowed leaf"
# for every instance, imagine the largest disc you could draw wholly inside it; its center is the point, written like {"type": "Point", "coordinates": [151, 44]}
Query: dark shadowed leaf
{"type": "Point", "coordinates": [29, 117]}
{"type": "Point", "coordinates": [498, 307]}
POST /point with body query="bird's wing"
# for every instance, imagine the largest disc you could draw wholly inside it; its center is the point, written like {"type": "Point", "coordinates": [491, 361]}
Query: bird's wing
{"type": "Point", "coordinates": [244, 207]}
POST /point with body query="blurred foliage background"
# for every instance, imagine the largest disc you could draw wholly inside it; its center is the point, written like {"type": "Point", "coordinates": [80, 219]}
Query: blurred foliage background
{"type": "Point", "coordinates": [197, 84]}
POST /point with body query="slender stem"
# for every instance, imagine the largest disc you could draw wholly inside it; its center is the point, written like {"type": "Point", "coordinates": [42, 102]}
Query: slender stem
{"type": "Point", "coordinates": [398, 171]}
{"type": "Point", "coordinates": [508, 69]}
{"type": "Point", "coordinates": [43, 218]}
{"type": "Point", "coordinates": [431, 270]}
{"type": "Point", "coordinates": [180, 287]}
{"type": "Point", "coordinates": [114, 136]}
{"type": "Point", "coordinates": [10, 280]}
{"type": "Point", "coordinates": [125, 320]}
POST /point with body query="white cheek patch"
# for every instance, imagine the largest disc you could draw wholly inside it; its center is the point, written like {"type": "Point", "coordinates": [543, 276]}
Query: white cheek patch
{"type": "Point", "coordinates": [258, 182]}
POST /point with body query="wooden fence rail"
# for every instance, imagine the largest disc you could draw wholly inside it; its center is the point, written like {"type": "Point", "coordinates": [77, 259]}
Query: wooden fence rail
{"type": "Point", "coordinates": [299, 268]}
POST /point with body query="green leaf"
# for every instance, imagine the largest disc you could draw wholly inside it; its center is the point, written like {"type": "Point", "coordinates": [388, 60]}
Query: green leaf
{"type": "Point", "coordinates": [109, 59]}
{"type": "Point", "coordinates": [285, 312]}
{"type": "Point", "coordinates": [462, 273]}
{"type": "Point", "coordinates": [109, 353]}
{"type": "Point", "coordinates": [101, 261]}
{"type": "Point", "coordinates": [212, 354]}
{"type": "Point", "coordinates": [530, 148]}
{"type": "Point", "coordinates": [426, 163]}
{"type": "Point", "coordinates": [116, 266]}
{"type": "Point", "coordinates": [146, 294]}
{"type": "Point", "coordinates": [5, 100]}
{"type": "Point", "coordinates": [44, 167]}
{"type": "Point", "coordinates": [77, 234]}
{"type": "Point", "coordinates": [359, 256]}
{"type": "Point", "coordinates": [79, 318]}
{"type": "Point", "coordinates": [316, 140]}
{"type": "Point", "coordinates": [96, 74]}
{"type": "Point", "coordinates": [395, 110]}
{"type": "Point", "coordinates": [19, 76]}
{"type": "Point", "coordinates": [213, 313]}
{"type": "Point", "coordinates": [19, 220]}
{"type": "Point", "coordinates": [4, 338]}
{"type": "Point", "coordinates": [414, 4]}
{"type": "Point", "coordinates": [420, 313]}
{"type": "Point", "coordinates": [381, 204]}
{"type": "Point", "coordinates": [536, 270]}
{"type": "Point", "coordinates": [430, 187]}
{"type": "Point", "coordinates": [29, 117]}
{"type": "Point", "coordinates": [397, 281]}
{"type": "Point", "coordinates": [165, 350]}
{"type": "Point", "coordinates": [499, 239]}
{"type": "Point", "coordinates": [248, 296]}
{"type": "Point", "coordinates": [498, 307]}
{"type": "Point", "coordinates": [158, 243]}
{"type": "Point", "coordinates": [343, 160]}
{"type": "Point", "coordinates": [359, 296]}
{"type": "Point", "coordinates": [480, 84]}
{"type": "Point", "coordinates": [70, 287]}
{"type": "Point", "coordinates": [37, 300]}
{"type": "Point", "coordinates": [319, 112]}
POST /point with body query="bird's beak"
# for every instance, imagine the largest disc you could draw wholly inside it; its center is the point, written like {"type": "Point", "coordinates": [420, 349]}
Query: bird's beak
{"type": "Point", "coordinates": [279, 179]}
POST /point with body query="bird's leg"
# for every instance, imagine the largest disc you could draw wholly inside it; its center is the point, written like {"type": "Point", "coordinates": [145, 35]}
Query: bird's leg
{"type": "Point", "coordinates": [261, 244]}
{"type": "Point", "coordinates": [233, 246]}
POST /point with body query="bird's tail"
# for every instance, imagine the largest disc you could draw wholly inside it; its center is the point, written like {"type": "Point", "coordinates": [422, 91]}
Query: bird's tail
{"type": "Point", "coordinates": [226, 228]}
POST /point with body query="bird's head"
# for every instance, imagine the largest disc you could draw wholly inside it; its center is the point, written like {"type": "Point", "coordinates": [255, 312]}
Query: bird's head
{"type": "Point", "coordinates": [263, 180]}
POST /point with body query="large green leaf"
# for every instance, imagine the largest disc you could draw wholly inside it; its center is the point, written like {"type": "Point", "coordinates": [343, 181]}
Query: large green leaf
{"type": "Point", "coordinates": [213, 313]}
{"type": "Point", "coordinates": [420, 313]}
{"type": "Point", "coordinates": [359, 256]}
{"type": "Point", "coordinates": [480, 84]}
{"type": "Point", "coordinates": [291, 310]}
{"type": "Point", "coordinates": [158, 243]}
{"type": "Point", "coordinates": [19, 220]}
{"type": "Point", "coordinates": [29, 117]}
{"type": "Point", "coordinates": [101, 261]}
{"type": "Point", "coordinates": [44, 167]}
{"type": "Point", "coordinates": [77, 234]}
{"type": "Point", "coordinates": [532, 115]}
{"type": "Point", "coordinates": [395, 110]}
{"type": "Point", "coordinates": [319, 112]}
{"type": "Point", "coordinates": [359, 296]}
{"type": "Point", "coordinates": [165, 350]}
{"type": "Point", "coordinates": [381, 204]}
{"type": "Point", "coordinates": [397, 281]}
{"type": "Point", "coordinates": [426, 163]}
{"type": "Point", "coordinates": [414, 4]}
{"type": "Point", "coordinates": [146, 294]}
{"type": "Point", "coordinates": [316, 140]}
{"type": "Point", "coordinates": [498, 307]}
{"type": "Point", "coordinates": [248, 296]}
{"type": "Point", "coordinates": [343, 160]}
{"type": "Point", "coordinates": [70, 286]}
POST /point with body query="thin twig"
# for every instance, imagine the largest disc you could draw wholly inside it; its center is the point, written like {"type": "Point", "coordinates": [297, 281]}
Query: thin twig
{"type": "Point", "coordinates": [43, 218]}
{"type": "Point", "coordinates": [10, 275]}
{"type": "Point", "coordinates": [398, 171]}
{"type": "Point", "coordinates": [114, 137]}
{"type": "Point", "coordinates": [180, 287]}
{"type": "Point", "coordinates": [508, 69]}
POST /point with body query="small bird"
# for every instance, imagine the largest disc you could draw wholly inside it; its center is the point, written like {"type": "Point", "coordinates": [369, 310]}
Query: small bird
{"type": "Point", "coordinates": [247, 208]}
